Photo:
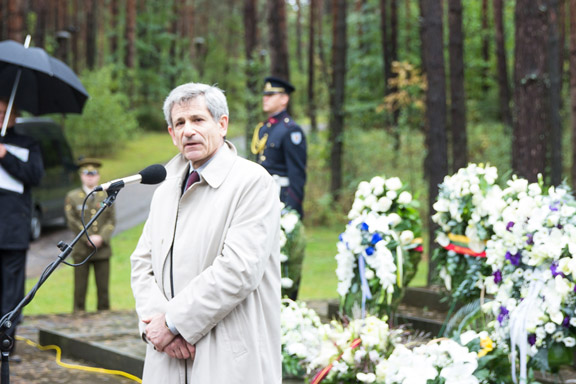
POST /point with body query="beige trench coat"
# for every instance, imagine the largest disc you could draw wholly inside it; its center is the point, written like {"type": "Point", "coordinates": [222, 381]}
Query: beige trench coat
{"type": "Point", "coordinates": [224, 233]}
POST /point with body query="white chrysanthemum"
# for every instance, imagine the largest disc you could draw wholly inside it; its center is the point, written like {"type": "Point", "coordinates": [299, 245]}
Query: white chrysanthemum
{"type": "Point", "coordinates": [393, 183]}
{"type": "Point", "coordinates": [569, 342]}
{"type": "Point", "coordinates": [366, 377]}
{"type": "Point", "coordinates": [288, 221]}
{"type": "Point", "coordinates": [405, 197]}
{"type": "Point", "coordinates": [286, 282]}
{"type": "Point", "coordinates": [364, 189]}
{"type": "Point", "coordinates": [406, 237]}
{"type": "Point", "coordinates": [394, 219]}
{"type": "Point", "coordinates": [383, 204]}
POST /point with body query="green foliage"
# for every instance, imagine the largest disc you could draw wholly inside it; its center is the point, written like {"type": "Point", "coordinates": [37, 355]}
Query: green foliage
{"type": "Point", "coordinates": [151, 118]}
{"type": "Point", "coordinates": [408, 96]}
{"type": "Point", "coordinates": [365, 83]}
{"type": "Point", "coordinates": [106, 123]}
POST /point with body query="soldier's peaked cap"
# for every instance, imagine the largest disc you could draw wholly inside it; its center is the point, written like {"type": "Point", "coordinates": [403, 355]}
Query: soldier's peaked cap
{"type": "Point", "coordinates": [88, 164]}
{"type": "Point", "coordinates": [274, 85]}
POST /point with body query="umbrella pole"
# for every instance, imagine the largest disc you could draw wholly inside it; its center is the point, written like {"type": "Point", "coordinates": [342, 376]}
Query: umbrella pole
{"type": "Point", "coordinates": [11, 102]}
{"type": "Point", "coordinates": [13, 94]}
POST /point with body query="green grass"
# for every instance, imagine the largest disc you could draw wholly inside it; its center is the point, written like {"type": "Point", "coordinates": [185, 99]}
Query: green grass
{"type": "Point", "coordinates": [318, 275]}
{"type": "Point", "coordinates": [149, 149]}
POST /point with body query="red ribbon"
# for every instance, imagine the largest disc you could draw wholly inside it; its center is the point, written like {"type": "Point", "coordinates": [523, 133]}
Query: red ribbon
{"type": "Point", "coordinates": [464, 251]}
{"type": "Point", "coordinates": [324, 372]}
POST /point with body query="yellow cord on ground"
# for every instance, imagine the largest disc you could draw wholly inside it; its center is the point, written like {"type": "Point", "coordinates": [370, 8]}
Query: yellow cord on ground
{"type": "Point", "coordinates": [78, 367]}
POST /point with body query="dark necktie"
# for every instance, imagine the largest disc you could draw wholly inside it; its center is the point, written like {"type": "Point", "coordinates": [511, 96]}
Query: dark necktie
{"type": "Point", "coordinates": [192, 178]}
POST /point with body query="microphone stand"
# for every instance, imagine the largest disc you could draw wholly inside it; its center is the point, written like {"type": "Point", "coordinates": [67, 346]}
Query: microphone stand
{"type": "Point", "coordinates": [7, 321]}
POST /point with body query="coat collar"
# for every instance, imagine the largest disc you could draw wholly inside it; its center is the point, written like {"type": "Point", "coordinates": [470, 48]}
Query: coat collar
{"type": "Point", "coordinates": [216, 170]}
{"type": "Point", "coordinates": [220, 166]}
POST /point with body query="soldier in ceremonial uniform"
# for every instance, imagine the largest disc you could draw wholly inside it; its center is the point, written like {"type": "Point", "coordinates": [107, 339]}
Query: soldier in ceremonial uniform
{"type": "Point", "coordinates": [280, 144]}
{"type": "Point", "coordinates": [100, 233]}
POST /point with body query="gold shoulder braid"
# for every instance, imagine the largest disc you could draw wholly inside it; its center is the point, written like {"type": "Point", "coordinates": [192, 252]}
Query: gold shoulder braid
{"type": "Point", "coordinates": [258, 144]}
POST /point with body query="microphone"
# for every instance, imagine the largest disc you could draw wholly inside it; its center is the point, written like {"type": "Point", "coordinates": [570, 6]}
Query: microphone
{"type": "Point", "coordinates": [152, 174]}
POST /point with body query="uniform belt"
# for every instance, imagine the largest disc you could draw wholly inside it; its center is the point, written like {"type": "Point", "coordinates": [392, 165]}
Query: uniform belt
{"type": "Point", "coordinates": [282, 181]}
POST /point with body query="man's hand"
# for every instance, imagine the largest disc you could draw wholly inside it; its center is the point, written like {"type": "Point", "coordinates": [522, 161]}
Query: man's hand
{"type": "Point", "coordinates": [96, 239]}
{"type": "Point", "coordinates": [157, 332]}
{"type": "Point", "coordinates": [2, 151]}
{"type": "Point", "coordinates": [180, 349]}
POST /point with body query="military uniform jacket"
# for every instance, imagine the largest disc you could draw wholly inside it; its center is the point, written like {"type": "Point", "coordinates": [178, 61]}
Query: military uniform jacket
{"type": "Point", "coordinates": [285, 155]}
{"type": "Point", "coordinates": [16, 207]}
{"type": "Point", "coordinates": [103, 226]}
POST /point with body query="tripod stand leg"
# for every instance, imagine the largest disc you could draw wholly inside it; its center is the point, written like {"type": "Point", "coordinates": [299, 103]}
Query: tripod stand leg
{"type": "Point", "coordinates": [5, 347]}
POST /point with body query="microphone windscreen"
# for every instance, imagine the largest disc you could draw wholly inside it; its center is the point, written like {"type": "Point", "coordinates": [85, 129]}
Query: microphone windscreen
{"type": "Point", "coordinates": [153, 174]}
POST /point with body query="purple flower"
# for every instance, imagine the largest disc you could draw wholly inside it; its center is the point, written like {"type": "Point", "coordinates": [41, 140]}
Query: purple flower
{"type": "Point", "coordinates": [497, 277]}
{"type": "Point", "coordinates": [532, 338]}
{"type": "Point", "coordinates": [369, 251]}
{"type": "Point", "coordinates": [509, 226]}
{"type": "Point", "coordinates": [514, 259]}
{"type": "Point", "coordinates": [566, 322]}
{"type": "Point", "coordinates": [376, 238]}
{"type": "Point", "coordinates": [503, 315]}
{"type": "Point", "coordinates": [554, 206]}
{"type": "Point", "coordinates": [530, 239]}
{"type": "Point", "coordinates": [555, 271]}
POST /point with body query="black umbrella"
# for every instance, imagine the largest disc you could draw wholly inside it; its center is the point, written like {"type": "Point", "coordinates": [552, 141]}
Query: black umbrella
{"type": "Point", "coordinates": [37, 82]}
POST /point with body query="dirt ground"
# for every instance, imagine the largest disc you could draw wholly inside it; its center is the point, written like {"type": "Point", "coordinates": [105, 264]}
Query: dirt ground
{"type": "Point", "coordinates": [39, 366]}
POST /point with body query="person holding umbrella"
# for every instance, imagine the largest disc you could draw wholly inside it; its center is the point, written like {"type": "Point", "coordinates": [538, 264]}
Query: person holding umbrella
{"type": "Point", "coordinates": [21, 168]}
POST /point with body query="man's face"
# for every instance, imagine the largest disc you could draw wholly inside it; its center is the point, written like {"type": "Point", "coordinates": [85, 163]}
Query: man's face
{"type": "Point", "coordinates": [3, 108]}
{"type": "Point", "coordinates": [90, 178]}
{"type": "Point", "coordinates": [195, 132]}
{"type": "Point", "coordinates": [274, 103]}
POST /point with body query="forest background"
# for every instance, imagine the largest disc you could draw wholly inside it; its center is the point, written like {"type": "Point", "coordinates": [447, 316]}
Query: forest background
{"type": "Point", "coordinates": [407, 88]}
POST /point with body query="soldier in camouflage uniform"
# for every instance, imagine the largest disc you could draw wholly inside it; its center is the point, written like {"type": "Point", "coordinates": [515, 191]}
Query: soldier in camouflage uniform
{"type": "Point", "coordinates": [100, 233]}
{"type": "Point", "coordinates": [279, 145]}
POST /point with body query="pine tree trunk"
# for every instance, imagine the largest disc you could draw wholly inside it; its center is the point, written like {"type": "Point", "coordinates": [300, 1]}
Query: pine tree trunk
{"type": "Point", "coordinates": [91, 32]}
{"type": "Point", "coordinates": [555, 144]}
{"type": "Point", "coordinates": [278, 39]}
{"type": "Point", "coordinates": [531, 95]}
{"type": "Point", "coordinates": [572, 61]}
{"type": "Point", "coordinates": [15, 21]}
{"type": "Point", "coordinates": [387, 66]}
{"type": "Point", "coordinates": [339, 44]}
{"type": "Point", "coordinates": [311, 66]}
{"type": "Point", "coordinates": [114, 17]}
{"type": "Point", "coordinates": [504, 92]}
{"type": "Point", "coordinates": [436, 163]}
{"type": "Point", "coordinates": [130, 56]}
{"type": "Point", "coordinates": [485, 45]}
{"type": "Point", "coordinates": [299, 55]}
{"type": "Point", "coordinates": [252, 71]}
{"type": "Point", "coordinates": [458, 133]}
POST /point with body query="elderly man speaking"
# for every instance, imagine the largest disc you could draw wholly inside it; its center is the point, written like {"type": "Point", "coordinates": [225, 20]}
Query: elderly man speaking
{"type": "Point", "coordinates": [206, 270]}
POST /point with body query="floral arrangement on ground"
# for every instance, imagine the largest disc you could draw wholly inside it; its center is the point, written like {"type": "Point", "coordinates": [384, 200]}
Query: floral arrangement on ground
{"type": "Point", "coordinates": [292, 250]}
{"type": "Point", "coordinates": [379, 250]}
{"type": "Point", "coordinates": [369, 351]}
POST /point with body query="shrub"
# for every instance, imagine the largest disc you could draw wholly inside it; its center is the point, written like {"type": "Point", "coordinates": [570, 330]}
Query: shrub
{"type": "Point", "coordinates": [107, 121]}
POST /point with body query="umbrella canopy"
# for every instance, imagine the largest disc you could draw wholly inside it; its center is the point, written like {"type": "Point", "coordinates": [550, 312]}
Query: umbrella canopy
{"type": "Point", "coordinates": [43, 83]}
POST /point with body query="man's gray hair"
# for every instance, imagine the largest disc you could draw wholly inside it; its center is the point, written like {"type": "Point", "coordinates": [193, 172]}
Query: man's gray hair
{"type": "Point", "coordinates": [213, 96]}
